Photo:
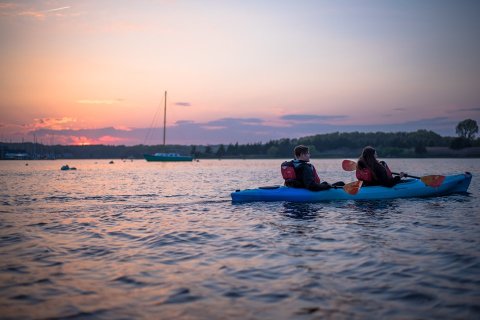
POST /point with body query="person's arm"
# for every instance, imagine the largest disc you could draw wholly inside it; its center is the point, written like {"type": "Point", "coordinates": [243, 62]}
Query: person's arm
{"type": "Point", "coordinates": [319, 186]}
{"type": "Point", "coordinates": [383, 178]}
{"type": "Point", "coordinates": [309, 181]}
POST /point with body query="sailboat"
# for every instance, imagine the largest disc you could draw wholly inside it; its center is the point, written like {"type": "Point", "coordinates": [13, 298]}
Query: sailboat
{"type": "Point", "coordinates": [166, 156]}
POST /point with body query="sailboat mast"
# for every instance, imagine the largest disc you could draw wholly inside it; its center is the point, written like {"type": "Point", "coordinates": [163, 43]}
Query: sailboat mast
{"type": "Point", "coordinates": [165, 119]}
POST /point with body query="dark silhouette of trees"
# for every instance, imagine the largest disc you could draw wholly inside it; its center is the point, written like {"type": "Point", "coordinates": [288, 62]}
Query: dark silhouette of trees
{"type": "Point", "coordinates": [336, 144]}
{"type": "Point", "coordinates": [221, 151]}
{"type": "Point", "coordinates": [466, 130]}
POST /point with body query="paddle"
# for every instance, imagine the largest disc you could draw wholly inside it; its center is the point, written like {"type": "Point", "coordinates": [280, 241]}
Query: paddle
{"type": "Point", "coordinates": [433, 181]}
{"type": "Point", "coordinates": [352, 188]}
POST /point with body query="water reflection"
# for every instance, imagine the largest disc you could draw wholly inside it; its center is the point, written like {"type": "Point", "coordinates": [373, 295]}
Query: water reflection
{"type": "Point", "coordinates": [374, 207]}
{"type": "Point", "coordinates": [301, 211]}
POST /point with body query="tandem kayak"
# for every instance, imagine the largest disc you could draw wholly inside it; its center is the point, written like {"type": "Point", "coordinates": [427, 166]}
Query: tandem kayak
{"type": "Point", "coordinates": [407, 188]}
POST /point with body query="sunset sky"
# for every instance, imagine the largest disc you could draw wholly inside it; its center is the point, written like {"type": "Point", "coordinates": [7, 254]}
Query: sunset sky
{"type": "Point", "coordinates": [84, 72]}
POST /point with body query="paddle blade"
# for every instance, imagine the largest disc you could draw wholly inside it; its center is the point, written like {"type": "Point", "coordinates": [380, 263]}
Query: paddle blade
{"type": "Point", "coordinates": [433, 180]}
{"type": "Point", "coordinates": [349, 165]}
{"type": "Point", "coordinates": [353, 187]}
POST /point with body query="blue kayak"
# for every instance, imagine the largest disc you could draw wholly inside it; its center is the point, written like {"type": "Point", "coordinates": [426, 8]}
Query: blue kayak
{"type": "Point", "coordinates": [407, 188]}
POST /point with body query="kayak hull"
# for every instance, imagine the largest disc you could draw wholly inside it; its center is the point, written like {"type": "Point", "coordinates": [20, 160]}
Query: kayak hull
{"type": "Point", "coordinates": [409, 188]}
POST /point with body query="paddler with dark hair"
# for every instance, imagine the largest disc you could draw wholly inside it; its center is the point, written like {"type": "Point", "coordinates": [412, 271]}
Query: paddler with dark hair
{"type": "Point", "coordinates": [300, 173]}
{"type": "Point", "coordinates": [373, 172]}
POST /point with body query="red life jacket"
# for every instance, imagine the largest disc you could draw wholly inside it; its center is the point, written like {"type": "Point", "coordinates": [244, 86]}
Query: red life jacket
{"type": "Point", "coordinates": [366, 174]}
{"type": "Point", "coordinates": [288, 171]}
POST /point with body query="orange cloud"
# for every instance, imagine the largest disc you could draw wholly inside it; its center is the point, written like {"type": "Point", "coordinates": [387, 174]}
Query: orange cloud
{"type": "Point", "coordinates": [52, 123]}
{"type": "Point", "coordinates": [109, 140]}
{"type": "Point", "coordinates": [16, 9]}
{"type": "Point", "coordinates": [35, 14]}
{"type": "Point", "coordinates": [94, 101]}
{"type": "Point", "coordinates": [85, 141]}
{"type": "Point", "coordinates": [5, 7]}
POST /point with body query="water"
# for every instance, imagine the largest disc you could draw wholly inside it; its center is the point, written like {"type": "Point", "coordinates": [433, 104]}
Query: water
{"type": "Point", "coordinates": [163, 240]}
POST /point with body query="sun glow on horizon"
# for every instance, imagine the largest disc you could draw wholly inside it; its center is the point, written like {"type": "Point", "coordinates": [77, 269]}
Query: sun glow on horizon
{"type": "Point", "coordinates": [81, 141]}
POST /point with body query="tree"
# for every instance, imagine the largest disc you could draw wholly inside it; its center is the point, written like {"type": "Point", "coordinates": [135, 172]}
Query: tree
{"type": "Point", "coordinates": [221, 151]}
{"type": "Point", "coordinates": [420, 149]}
{"type": "Point", "coordinates": [467, 129]}
{"type": "Point", "coordinates": [272, 151]}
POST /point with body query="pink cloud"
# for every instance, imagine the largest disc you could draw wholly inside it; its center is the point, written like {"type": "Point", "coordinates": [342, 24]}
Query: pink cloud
{"type": "Point", "coordinates": [35, 14]}
{"type": "Point", "coordinates": [85, 140]}
{"type": "Point", "coordinates": [52, 123]}
{"type": "Point", "coordinates": [98, 101]}
{"type": "Point", "coordinates": [110, 140]}
{"type": "Point", "coordinates": [19, 9]}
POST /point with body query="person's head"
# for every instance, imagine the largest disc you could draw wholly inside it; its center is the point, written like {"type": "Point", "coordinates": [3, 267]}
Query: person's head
{"type": "Point", "coordinates": [369, 152]}
{"type": "Point", "coordinates": [369, 155]}
{"type": "Point", "coordinates": [302, 153]}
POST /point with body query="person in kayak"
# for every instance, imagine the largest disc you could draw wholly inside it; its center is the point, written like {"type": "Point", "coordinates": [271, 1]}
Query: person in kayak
{"type": "Point", "coordinates": [373, 172]}
{"type": "Point", "coordinates": [300, 173]}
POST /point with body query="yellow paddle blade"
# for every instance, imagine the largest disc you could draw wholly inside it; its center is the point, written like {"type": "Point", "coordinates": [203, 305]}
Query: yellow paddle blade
{"type": "Point", "coordinates": [353, 187]}
{"type": "Point", "coordinates": [349, 165]}
{"type": "Point", "coordinates": [433, 180]}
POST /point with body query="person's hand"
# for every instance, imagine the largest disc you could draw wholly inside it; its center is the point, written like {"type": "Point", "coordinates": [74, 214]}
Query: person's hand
{"type": "Point", "coordinates": [403, 175]}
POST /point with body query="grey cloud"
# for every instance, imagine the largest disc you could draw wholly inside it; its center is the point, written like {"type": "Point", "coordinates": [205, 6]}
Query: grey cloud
{"type": "Point", "coordinates": [183, 104]}
{"type": "Point", "coordinates": [312, 117]}
{"type": "Point", "coordinates": [234, 121]}
{"type": "Point", "coordinates": [470, 109]}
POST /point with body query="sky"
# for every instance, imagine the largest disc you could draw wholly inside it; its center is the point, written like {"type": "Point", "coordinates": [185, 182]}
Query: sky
{"type": "Point", "coordinates": [95, 72]}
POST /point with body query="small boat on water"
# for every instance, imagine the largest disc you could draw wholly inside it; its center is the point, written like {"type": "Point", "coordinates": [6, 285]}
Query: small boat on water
{"type": "Point", "coordinates": [67, 167]}
{"type": "Point", "coordinates": [408, 188]}
{"type": "Point", "coordinates": [164, 157]}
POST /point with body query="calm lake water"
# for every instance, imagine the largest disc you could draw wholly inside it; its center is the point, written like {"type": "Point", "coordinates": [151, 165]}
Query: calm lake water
{"type": "Point", "coordinates": [164, 241]}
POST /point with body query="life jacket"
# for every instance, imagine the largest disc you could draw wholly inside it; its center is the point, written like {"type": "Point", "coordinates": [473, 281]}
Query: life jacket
{"type": "Point", "coordinates": [288, 171]}
{"type": "Point", "coordinates": [389, 173]}
{"type": "Point", "coordinates": [366, 174]}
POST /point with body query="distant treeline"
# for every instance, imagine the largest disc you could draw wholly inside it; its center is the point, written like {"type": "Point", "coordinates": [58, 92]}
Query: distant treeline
{"type": "Point", "coordinates": [398, 144]}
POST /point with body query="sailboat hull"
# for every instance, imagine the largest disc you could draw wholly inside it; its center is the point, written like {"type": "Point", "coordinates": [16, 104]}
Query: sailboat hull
{"type": "Point", "coordinates": [167, 158]}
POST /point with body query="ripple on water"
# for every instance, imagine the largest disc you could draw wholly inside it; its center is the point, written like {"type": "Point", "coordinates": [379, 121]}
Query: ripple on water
{"type": "Point", "coordinates": [181, 295]}
{"type": "Point", "coordinates": [179, 237]}
{"type": "Point", "coordinates": [89, 251]}
{"type": "Point", "coordinates": [130, 281]}
{"type": "Point", "coordinates": [11, 239]}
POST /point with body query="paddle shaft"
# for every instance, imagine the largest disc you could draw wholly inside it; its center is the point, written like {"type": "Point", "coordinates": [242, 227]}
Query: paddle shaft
{"type": "Point", "coordinates": [415, 177]}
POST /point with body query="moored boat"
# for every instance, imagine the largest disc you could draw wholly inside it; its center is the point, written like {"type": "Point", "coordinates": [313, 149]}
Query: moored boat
{"type": "Point", "coordinates": [164, 157]}
{"type": "Point", "coordinates": [67, 167]}
{"type": "Point", "coordinates": [408, 188]}
{"type": "Point", "coordinates": [167, 157]}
